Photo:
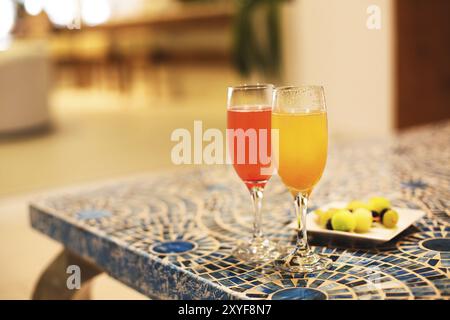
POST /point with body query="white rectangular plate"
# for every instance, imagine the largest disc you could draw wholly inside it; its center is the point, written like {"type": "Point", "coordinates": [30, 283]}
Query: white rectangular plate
{"type": "Point", "coordinates": [378, 233]}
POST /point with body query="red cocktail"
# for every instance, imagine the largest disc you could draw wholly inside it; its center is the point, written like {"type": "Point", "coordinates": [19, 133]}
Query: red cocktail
{"type": "Point", "coordinates": [249, 139]}
{"type": "Point", "coordinates": [250, 145]}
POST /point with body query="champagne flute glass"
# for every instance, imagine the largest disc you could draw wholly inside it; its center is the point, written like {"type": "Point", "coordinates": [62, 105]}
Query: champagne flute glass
{"type": "Point", "coordinates": [299, 114]}
{"type": "Point", "coordinates": [249, 110]}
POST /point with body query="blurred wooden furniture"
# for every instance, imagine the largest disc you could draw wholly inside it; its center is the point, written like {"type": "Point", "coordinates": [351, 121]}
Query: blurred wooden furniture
{"type": "Point", "coordinates": [423, 63]}
{"type": "Point", "coordinates": [115, 51]}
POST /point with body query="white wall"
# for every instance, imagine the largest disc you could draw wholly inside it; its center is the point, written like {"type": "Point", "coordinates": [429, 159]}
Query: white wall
{"type": "Point", "coordinates": [327, 42]}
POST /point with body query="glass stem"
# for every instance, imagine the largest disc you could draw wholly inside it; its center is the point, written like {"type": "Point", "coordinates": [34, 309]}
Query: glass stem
{"type": "Point", "coordinates": [301, 207]}
{"type": "Point", "coordinates": [257, 197]}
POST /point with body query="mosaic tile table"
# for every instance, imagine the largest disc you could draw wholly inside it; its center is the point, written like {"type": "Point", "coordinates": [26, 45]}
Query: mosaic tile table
{"type": "Point", "coordinates": [170, 235]}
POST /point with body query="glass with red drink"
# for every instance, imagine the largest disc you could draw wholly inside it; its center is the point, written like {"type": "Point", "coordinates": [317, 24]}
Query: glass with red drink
{"type": "Point", "coordinates": [249, 145]}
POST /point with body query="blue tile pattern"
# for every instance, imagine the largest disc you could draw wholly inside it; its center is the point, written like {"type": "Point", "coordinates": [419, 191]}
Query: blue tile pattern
{"type": "Point", "coordinates": [437, 244]}
{"type": "Point", "coordinates": [171, 235]}
{"type": "Point", "coordinates": [172, 247]}
{"type": "Point", "coordinates": [299, 293]}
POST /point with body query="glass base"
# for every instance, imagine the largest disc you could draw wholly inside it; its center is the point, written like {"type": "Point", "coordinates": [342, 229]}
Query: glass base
{"type": "Point", "coordinates": [257, 250]}
{"type": "Point", "coordinates": [301, 262]}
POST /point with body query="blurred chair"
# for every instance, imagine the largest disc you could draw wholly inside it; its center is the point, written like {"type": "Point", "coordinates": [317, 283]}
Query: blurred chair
{"type": "Point", "coordinates": [24, 86]}
{"type": "Point", "coordinates": [80, 57]}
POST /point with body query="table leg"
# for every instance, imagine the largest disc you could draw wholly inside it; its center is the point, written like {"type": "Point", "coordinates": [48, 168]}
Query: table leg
{"type": "Point", "coordinates": [52, 284]}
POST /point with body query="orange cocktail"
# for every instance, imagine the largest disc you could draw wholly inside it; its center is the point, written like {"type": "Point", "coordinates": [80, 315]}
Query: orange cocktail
{"type": "Point", "coordinates": [302, 148]}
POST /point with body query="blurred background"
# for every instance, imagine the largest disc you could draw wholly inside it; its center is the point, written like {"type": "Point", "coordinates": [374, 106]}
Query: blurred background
{"type": "Point", "coordinates": [92, 89]}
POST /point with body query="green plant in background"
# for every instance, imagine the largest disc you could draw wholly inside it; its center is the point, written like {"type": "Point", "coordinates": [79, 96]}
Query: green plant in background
{"type": "Point", "coordinates": [257, 43]}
